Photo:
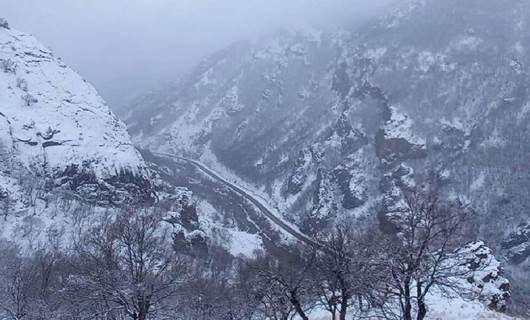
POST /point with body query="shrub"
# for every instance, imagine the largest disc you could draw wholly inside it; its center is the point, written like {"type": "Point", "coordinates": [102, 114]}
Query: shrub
{"type": "Point", "coordinates": [22, 84]}
{"type": "Point", "coordinates": [29, 99]}
{"type": "Point", "coordinates": [4, 23]}
{"type": "Point", "coordinates": [8, 65]}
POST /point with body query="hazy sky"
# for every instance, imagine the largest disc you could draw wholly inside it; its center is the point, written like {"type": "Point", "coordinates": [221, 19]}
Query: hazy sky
{"type": "Point", "coordinates": [126, 47]}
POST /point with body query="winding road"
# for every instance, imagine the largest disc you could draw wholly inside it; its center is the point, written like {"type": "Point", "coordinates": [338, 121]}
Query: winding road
{"type": "Point", "coordinates": [250, 198]}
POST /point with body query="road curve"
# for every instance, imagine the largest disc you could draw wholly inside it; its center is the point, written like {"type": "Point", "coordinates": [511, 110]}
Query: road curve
{"type": "Point", "coordinates": [262, 208]}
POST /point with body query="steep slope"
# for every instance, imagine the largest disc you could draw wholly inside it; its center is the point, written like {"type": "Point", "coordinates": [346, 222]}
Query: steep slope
{"type": "Point", "coordinates": [256, 108]}
{"type": "Point", "coordinates": [328, 124]}
{"type": "Point", "coordinates": [67, 161]}
{"type": "Point", "coordinates": [56, 132]}
{"type": "Point", "coordinates": [452, 78]}
{"type": "Point", "coordinates": [457, 104]}
{"type": "Point", "coordinates": [252, 96]}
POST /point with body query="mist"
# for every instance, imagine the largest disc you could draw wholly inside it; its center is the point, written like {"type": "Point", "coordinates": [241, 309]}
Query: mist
{"type": "Point", "coordinates": [127, 47]}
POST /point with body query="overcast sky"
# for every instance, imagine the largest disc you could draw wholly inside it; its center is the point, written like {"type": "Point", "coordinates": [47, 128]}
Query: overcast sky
{"type": "Point", "coordinates": [126, 47]}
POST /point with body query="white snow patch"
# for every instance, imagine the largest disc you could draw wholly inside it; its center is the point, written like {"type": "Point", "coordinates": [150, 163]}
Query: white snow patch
{"type": "Point", "coordinates": [456, 309]}
{"type": "Point", "coordinates": [445, 174]}
{"type": "Point", "coordinates": [525, 111]}
{"type": "Point", "coordinates": [478, 183]}
{"type": "Point", "coordinates": [467, 42]}
{"type": "Point", "coordinates": [375, 54]}
{"type": "Point", "coordinates": [206, 79]}
{"type": "Point", "coordinates": [440, 308]}
{"type": "Point", "coordinates": [400, 126]}
{"type": "Point", "coordinates": [244, 244]}
{"type": "Point", "coordinates": [426, 60]}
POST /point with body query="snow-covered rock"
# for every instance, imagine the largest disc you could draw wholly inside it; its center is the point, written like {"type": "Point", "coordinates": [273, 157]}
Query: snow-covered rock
{"type": "Point", "coordinates": [485, 275]}
{"type": "Point", "coordinates": [517, 244]}
{"type": "Point", "coordinates": [55, 127]}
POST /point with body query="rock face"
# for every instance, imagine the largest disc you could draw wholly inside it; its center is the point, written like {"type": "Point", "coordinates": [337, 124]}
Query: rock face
{"type": "Point", "coordinates": [66, 160]}
{"type": "Point", "coordinates": [517, 244]}
{"type": "Point", "coordinates": [56, 132]}
{"type": "Point", "coordinates": [485, 275]}
{"type": "Point", "coordinates": [268, 111]}
{"type": "Point", "coordinates": [338, 125]}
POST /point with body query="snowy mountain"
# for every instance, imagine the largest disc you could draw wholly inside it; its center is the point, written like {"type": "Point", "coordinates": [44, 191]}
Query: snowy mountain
{"type": "Point", "coordinates": [334, 122]}
{"type": "Point", "coordinates": [275, 144]}
{"type": "Point", "coordinates": [63, 153]}
{"type": "Point", "coordinates": [330, 126]}
{"type": "Point", "coordinates": [55, 128]}
{"type": "Point", "coordinates": [65, 159]}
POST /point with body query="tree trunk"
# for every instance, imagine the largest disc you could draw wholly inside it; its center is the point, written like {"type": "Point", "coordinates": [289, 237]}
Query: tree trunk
{"type": "Point", "coordinates": [407, 313]}
{"type": "Point", "coordinates": [332, 309]}
{"type": "Point", "coordinates": [343, 308]}
{"type": "Point", "coordinates": [422, 310]}
{"type": "Point", "coordinates": [297, 306]}
{"type": "Point", "coordinates": [144, 311]}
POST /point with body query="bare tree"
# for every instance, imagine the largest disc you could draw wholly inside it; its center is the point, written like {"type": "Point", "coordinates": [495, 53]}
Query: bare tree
{"type": "Point", "coordinates": [128, 266]}
{"type": "Point", "coordinates": [31, 283]}
{"type": "Point", "coordinates": [224, 299]}
{"type": "Point", "coordinates": [422, 255]}
{"type": "Point", "coordinates": [352, 271]}
{"type": "Point", "coordinates": [284, 285]}
{"type": "Point", "coordinates": [15, 286]}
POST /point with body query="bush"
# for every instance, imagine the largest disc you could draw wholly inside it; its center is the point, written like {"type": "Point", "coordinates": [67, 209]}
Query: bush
{"type": "Point", "coordinates": [8, 66]}
{"type": "Point", "coordinates": [3, 23]}
{"type": "Point", "coordinates": [29, 99]}
{"type": "Point", "coordinates": [22, 84]}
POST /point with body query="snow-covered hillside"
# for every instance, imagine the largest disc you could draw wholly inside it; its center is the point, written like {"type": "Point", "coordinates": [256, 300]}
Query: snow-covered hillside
{"type": "Point", "coordinates": [54, 126]}
{"type": "Point", "coordinates": [338, 125]}
{"type": "Point", "coordinates": [323, 128]}
{"type": "Point", "coordinates": [63, 153]}
{"type": "Point", "coordinates": [333, 126]}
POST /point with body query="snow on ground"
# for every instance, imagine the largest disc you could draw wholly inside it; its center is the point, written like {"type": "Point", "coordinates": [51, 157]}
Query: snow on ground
{"type": "Point", "coordinates": [53, 115]}
{"type": "Point", "coordinates": [243, 243]}
{"type": "Point", "coordinates": [281, 203]}
{"type": "Point", "coordinates": [209, 159]}
{"type": "Point", "coordinates": [235, 241]}
{"type": "Point", "coordinates": [400, 127]}
{"type": "Point", "coordinates": [457, 309]}
{"type": "Point", "coordinates": [49, 224]}
{"type": "Point", "coordinates": [525, 110]}
{"type": "Point", "coordinates": [440, 309]}
{"type": "Point", "coordinates": [51, 119]}
{"type": "Point", "coordinates": [478, 183]}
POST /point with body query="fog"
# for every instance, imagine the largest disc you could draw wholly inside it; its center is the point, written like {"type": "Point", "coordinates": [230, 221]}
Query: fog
{"type": "Point", "coordinates": [127, 47]}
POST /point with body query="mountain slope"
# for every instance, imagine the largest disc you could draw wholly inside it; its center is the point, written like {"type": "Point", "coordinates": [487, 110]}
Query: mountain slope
{"type": "Point", "coordinates": [453, 79]}
{"type": "Point", "coordinates": [67, 161]}
{"type": "Point", "coordinates": [54, 126]}
{"type": "Point", "coordinates": [332, 126]}
{"type": "Point", "coordinates": [335, 121]}
{"type": "Point", "coordinates": [251, 95]}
